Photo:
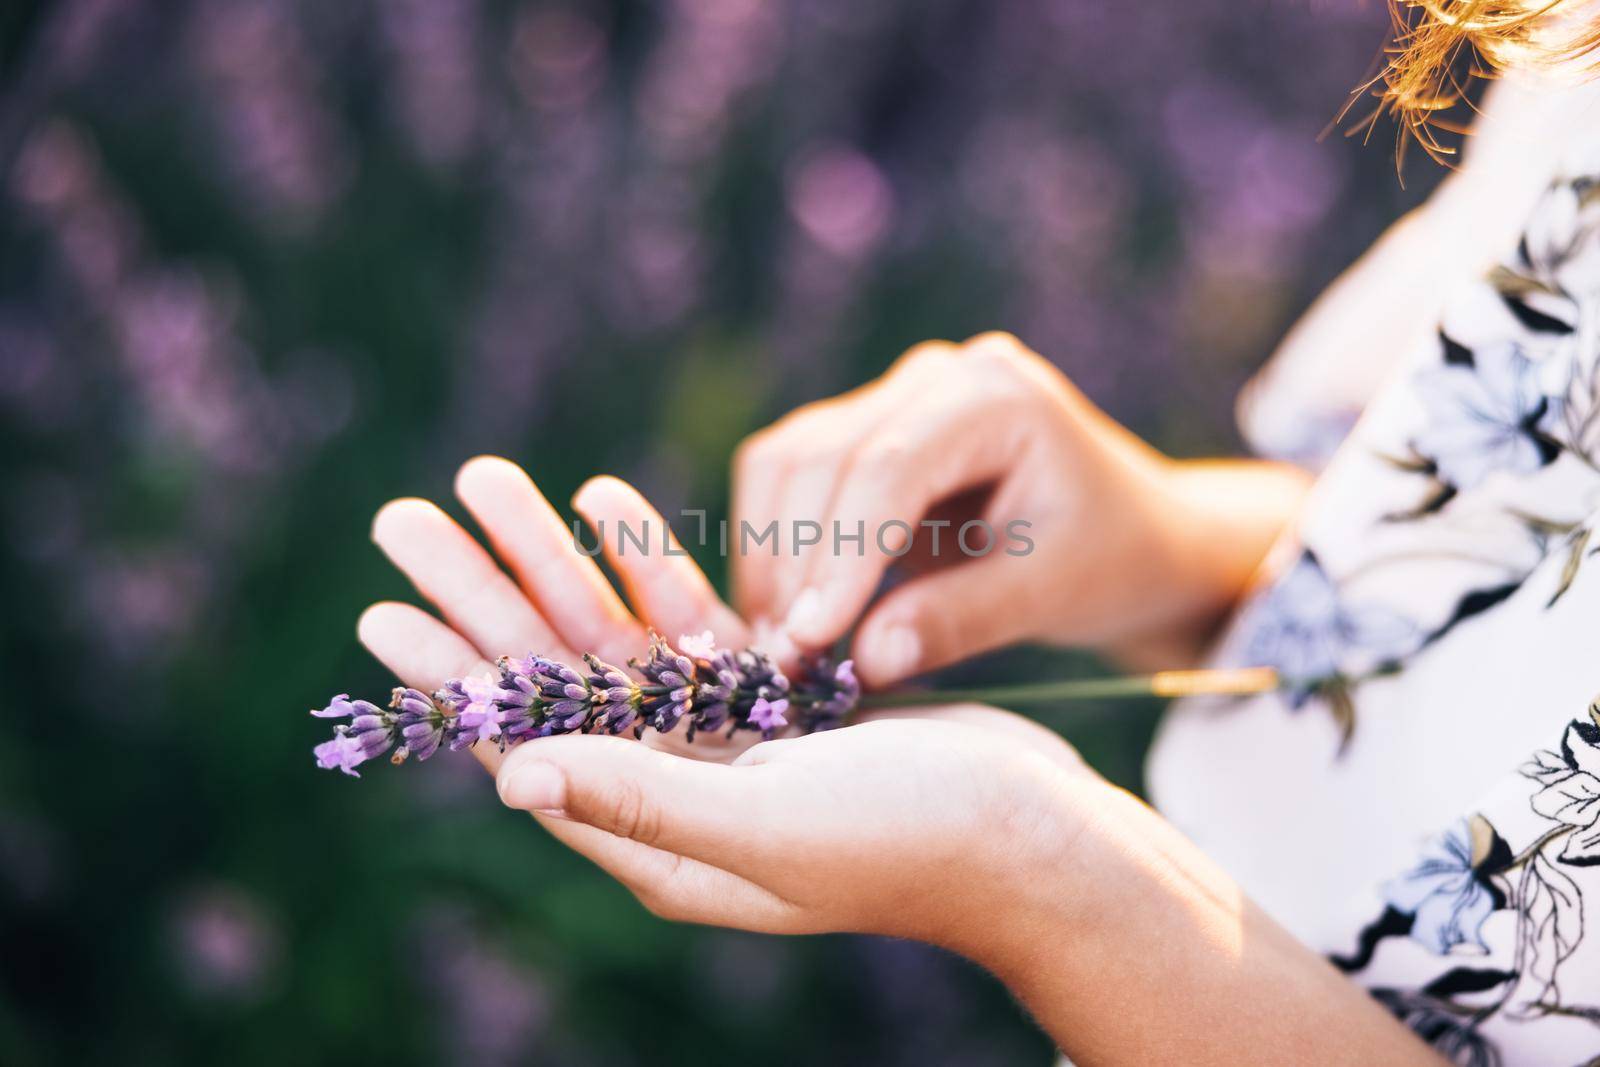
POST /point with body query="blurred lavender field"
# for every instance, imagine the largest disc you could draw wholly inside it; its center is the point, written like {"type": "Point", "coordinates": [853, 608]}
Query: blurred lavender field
{"type": "Point", "coordinates": [267, 263]}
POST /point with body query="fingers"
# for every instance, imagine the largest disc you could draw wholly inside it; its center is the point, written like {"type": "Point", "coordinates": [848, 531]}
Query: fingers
{"type": "Point", "coordinates": [865, 468]}
{"type": "Point", "coordinates": [667, 589]}
{"type": "Point", "coordinates": [477, 598]}
{"type": "Point", "coordinates": [711, 812]}
{"type": "Point", "coordinates": [423, 653]}
{"type": "Point", "coordinates": [677, 888]}
{"type": "Point", "coordinates": [913, 628]}
{"type": "Point", "coordinates": [565, 585]}
{"type": "Point", "coordinates": [807, 488]}
{"type": "Point", "coordinates": [785, 473]}
{"type": "Point", "coordinates": [893, 478]}
{"type": "Point", "coordinates": [756, 482]}
{"type": "Point", "coordinates": [781, 478]}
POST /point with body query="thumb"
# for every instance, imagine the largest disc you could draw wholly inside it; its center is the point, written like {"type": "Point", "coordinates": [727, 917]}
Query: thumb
{"type": "Point", "coordinates": [707, 811]}
{"type": "Point", "coordinates": [943, 617]}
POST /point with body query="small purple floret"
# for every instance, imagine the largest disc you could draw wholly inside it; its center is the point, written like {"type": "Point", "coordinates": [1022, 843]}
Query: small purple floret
{"type": "Point", "coordinates": [767, 715]}
{"type": "Point", "coordinates": [342, 707]}
{"type": "Point", "coordinates": [420, 722]}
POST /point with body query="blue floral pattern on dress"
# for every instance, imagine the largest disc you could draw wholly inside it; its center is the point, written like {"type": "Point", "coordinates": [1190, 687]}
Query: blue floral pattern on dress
{"type": "Point", "coordinates": [1485, 417]}
{"type": "Point", "coordinates": [1446, 896]}
{"type": "Point", "coordinates": [1485, 929]}
{"type": "Point", "coordinates": [1506, 405]}
{"type": "Point", "coordinates": [1469, 874]}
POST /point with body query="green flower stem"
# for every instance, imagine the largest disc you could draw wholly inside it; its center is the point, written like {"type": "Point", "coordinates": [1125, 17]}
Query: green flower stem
{"type": "Point", "coordinates": [1160, 684]}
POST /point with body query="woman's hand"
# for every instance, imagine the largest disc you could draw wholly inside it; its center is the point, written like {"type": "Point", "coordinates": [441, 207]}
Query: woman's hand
{"type": "Point", "coordinates": [962, 827]}
{"type": "Point", "coordinates": [909, 826]}
{"type": "Point", "coordinates": [967, 827]}
{"type": "Point", "coordinates": [1130, 551]}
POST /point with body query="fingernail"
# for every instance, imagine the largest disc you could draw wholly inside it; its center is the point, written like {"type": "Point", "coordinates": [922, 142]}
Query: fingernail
{"type": "Point", "coordinates": [774, 641]}
{"type": "Point", "coordinates": [805, 614]}
{"type": "Point", "coordinates": [898, 652]}
{"type": "Point", "coordinates": [585, 491]}
{"type": "Point", "coordinates": [537, 787]}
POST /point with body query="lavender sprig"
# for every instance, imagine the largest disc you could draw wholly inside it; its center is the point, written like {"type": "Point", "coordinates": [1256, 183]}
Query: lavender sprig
{"type": "Point", "coordinates": [706, 688]}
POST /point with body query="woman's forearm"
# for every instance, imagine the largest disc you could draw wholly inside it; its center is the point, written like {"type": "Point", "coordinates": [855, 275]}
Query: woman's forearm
{"type": "Point", "coordinates": [1212, 523]}
{"type": "Point", "coordinates": [1142, 951]}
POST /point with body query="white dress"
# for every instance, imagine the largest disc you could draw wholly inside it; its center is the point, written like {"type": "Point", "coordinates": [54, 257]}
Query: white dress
{"type": "Point", "coordinates": [1423, 802]}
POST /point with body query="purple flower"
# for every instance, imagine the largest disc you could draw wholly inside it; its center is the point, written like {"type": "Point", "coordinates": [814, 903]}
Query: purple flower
{"type": "Point", "coordinates": [615, 697]}
{"type": "Point", "coordinates": [420, 723]}
{"type": "Point", "coordinates": [670, 690]}
{"type": "Point", "coordinates": [476, 703]}
{"type": "Point", "coordinates": [367, 736]}
{"type": "Point", "coordinates": [756, 671]}
{"type": "Point", "coordinates": [519, 701]}
{"type": "Point", "coordinates": [563, 693]}
{"type": "Point", "coordinates": [716, 683]}
{"type": "Point", "coordinates": [701, 646]}
{"type": "Point", "coordinates": [767, 715]}
{"type": "Point", "coordinates": [757, 679]}
{"type": "Point", "coordinates": [1305, 629]}
{"type": "Point", "coordinates": [342, 707]}
{"type": "Point", "coordinates": [343, 753]}
{"type": "Point", "coordinates": [227, 944]}
{"type": "Point", "coordinates": [831, 694]}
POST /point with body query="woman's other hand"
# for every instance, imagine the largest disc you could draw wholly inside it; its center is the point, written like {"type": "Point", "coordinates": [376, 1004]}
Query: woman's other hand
{"type": "Point", "coordinates": [1094, 538]}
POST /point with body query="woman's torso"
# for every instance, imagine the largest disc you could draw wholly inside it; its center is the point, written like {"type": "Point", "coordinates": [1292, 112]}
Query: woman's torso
{"type": "Point", "coordinates": [1436, 603]}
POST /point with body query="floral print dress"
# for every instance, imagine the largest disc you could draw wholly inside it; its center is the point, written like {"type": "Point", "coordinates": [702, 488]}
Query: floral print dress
{"type": "Point", "coordinates": [1421, 801]}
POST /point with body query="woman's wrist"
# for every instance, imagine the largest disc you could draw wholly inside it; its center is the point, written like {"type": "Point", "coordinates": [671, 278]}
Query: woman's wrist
{"type": "Point", "coordinates": [1211, 524]}
{"type": "Point", "coordinates": [1024, 872]}
{"type": "Point", "coordinates": [1129, 946]}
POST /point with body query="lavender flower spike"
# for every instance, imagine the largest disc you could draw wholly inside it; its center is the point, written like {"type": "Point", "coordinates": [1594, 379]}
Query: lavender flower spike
{"type": "Point", "coordinates": [532, 696]}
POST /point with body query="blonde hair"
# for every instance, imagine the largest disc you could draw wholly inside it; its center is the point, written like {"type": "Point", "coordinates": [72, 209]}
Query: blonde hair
{"type": "Point", "coordinates": [1423, 81]}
